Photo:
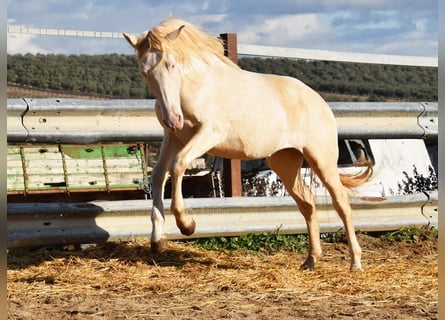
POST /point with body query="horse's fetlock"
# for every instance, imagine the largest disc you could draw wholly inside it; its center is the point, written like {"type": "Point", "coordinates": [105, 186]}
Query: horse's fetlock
{"type": "Point", "coordinates": [177, 211]}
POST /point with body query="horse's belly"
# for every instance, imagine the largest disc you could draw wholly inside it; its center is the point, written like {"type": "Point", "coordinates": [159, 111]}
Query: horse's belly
{"type": "Point", "coordinates": [256, 147]}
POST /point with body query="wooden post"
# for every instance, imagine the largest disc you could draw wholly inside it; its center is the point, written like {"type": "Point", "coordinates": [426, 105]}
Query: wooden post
{"type": "Point", "coordinates": [231, 168]}
{"type": "Point", "coordinates": [230, 46]}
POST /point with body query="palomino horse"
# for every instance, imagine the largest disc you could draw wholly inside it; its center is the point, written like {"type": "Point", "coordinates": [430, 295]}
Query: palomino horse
{"type": "Point", "coordinates": [207, 104]}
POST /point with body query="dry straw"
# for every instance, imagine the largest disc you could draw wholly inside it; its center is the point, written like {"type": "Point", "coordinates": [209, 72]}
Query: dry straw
{"type": "Point", "coordinates": [185, 280]}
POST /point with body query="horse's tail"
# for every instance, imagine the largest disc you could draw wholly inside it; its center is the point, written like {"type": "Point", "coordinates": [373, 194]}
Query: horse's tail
{"type": "Point", "coordinates": [357, 179]}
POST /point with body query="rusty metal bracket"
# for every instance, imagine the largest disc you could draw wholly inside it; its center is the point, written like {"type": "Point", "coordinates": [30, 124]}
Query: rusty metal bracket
{"type": "Point", "coordinates": [145, 183]}
{"type": "Point", "coordinates": [65, 170]}
{"type": "Point", "coordinates": [105, 167]}
{"type": "Point", "coordinates": [24, 169]}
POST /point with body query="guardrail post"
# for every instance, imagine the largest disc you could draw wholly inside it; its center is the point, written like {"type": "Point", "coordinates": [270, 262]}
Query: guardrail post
{"type": "Point", "coordinates": [231, 168]}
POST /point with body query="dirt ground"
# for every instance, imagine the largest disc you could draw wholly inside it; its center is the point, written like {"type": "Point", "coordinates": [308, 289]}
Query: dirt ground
{"type": "Point", "coordinates": [125, 281]}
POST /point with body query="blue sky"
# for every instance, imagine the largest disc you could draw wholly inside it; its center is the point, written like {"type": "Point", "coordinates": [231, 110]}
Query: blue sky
{"type": "Point", "coordinates": [401, 27]}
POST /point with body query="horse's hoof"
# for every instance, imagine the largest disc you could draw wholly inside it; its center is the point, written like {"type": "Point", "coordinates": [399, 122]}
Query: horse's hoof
{"type": "Point", "coordinates": [309, 264]}
{"type": "Point", "coordinates": [306, 266]}
{"type": "Point", "coordinates": [356, 268]}
{"type": "Point", "coordinates": [189, 228]}
{"type": "Point", "coordinates": [159, 247]}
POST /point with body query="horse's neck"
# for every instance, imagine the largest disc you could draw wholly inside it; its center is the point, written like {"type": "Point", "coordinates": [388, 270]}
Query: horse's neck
{"type": "Point", "coordinates": [196, 78]}
{"type": "Point", "coordinates": [200, 65]}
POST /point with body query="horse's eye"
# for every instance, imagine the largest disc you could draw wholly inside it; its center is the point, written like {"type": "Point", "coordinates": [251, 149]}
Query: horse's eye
{"type": "Point", "coordinates": [169, 66]}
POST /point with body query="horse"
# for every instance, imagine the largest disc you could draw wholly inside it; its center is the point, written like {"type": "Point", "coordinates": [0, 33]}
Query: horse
{"type": "Point", "coordinates": [208, 104]}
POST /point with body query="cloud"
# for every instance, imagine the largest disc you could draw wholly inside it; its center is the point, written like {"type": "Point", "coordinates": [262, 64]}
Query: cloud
{"type": "Point", "coordinates": [386, 26]}
{"type": "Point", "coordinates": [285, 30]}
{"type": "Point", "coordinates": [19, 43]}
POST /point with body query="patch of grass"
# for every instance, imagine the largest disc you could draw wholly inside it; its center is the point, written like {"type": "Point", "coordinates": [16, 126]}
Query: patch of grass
{"type": "Point", "coordinates": [265, 242]}
{"type": "Point", "coordinates": [273, 242]}
{"type": "Point", "coordinates": [412, 234]}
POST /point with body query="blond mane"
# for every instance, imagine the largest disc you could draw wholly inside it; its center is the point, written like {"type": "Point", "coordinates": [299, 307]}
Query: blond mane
{"type": "Point", "coordinates": [192, 44]}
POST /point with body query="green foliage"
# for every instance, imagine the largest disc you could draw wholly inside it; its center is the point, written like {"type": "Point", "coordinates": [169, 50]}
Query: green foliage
{"type": "Point", "coordinates": [378, 82]}
{"type": "Point", "coordinates": [273, 242]}
{"type": "Point", "coordinates": [266, 242]}
{"type": "Point", "coordinates": [418, 182]}
{"type": "Point", "coordinates": [412, 234]}
{"type": "Point", "coordinates": [109, 74]}
{"type": "Point", "coordinates": [118, 75]}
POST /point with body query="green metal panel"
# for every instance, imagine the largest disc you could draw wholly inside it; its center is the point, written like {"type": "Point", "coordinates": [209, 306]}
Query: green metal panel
{"type": "Point", "coordinates": [94, 151]}
{"type": "Point", "coordinates": [70, 168]}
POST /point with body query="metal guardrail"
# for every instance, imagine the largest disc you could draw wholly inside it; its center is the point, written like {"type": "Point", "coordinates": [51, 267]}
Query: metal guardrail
{"type": "Point", "coordinates": [34, 224]}
{"type": "Point", "coordinates": [77, 121]}
{"type": "Point", "coordinates": [58, 121]}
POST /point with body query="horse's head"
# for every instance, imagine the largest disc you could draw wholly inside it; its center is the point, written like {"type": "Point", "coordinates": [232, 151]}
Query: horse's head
{"type": "Point", "coordinates": [162, 73]}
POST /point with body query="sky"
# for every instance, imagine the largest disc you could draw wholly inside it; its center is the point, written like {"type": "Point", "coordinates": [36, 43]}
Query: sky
{"type": "Point", "coordinates": [400, 27]}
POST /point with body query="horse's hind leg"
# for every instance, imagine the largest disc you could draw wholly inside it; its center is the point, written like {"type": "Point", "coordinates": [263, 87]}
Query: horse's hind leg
{"type": "Point", "coordinates": [326, 169]}
{"type": "Point", "coordinates": [287, 164]}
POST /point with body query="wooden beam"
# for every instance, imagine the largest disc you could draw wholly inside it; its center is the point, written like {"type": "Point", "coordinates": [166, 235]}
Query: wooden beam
{"type": "Point", "coordinates": [230, 46]}
{"type": "Point", "coordinates": [231, 167]}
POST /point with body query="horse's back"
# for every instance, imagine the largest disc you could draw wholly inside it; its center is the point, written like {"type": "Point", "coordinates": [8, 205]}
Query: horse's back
{"type": "Point", "coordinates": [265, 113]}
{"type": "Point", "coordinates": [288, 101]}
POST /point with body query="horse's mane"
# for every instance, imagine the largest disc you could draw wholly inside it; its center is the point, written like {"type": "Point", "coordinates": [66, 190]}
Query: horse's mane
{"type": "Point", "coordinates": [191, 44]}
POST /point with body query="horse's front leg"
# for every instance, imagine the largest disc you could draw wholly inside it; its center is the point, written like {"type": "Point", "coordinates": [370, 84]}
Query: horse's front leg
{"type": "Point", "coordinates": [158, 178]}
{"type": "Point", "coordinates": [200, 143]}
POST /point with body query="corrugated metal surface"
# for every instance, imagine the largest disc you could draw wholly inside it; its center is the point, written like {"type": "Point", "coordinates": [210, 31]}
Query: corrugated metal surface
{"type": "Point", "coordinates": [87, 122]}
{"type": "Point", "coordinates": [63, 223]}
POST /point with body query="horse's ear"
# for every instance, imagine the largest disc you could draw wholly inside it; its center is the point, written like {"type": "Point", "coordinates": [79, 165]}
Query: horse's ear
{"type": "Point", "coordinates": [172, 36]}
{"type": "Point", "coordinates": [131, 39]}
